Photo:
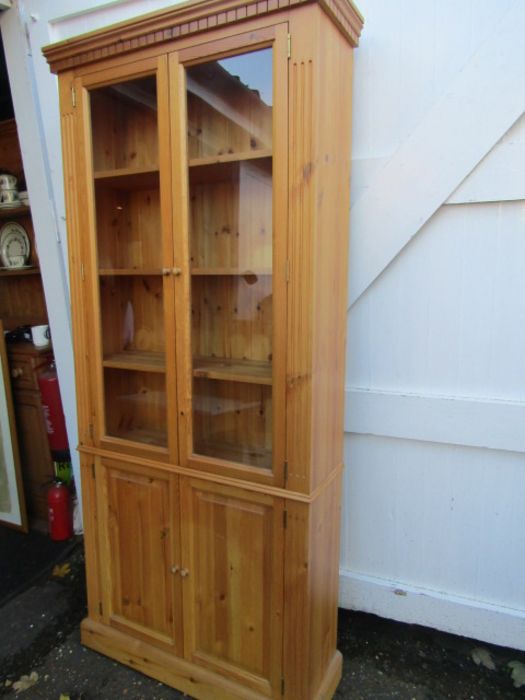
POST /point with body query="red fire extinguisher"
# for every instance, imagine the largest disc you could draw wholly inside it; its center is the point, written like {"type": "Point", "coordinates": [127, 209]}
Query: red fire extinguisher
{"type": "Point", "coordinates": [59, 510]}
{"type": "Point", "coordinates": [53, 412]}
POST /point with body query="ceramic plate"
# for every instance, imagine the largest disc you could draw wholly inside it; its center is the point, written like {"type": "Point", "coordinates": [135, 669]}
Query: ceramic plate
{"type": "Point", "coordinates": [14, 245]}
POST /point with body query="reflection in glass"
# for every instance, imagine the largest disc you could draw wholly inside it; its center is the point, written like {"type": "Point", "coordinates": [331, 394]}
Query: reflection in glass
{"type": "Point", "coordinates": [230, 175]}
{"type": "Point", "coordinates": [125, 150]}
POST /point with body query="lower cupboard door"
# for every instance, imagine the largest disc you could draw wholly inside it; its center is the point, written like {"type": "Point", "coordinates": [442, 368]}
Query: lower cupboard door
{"type": "Point", "coordinates": [232, 558]}
{"type": "Point", "coordinates": [138, 517]}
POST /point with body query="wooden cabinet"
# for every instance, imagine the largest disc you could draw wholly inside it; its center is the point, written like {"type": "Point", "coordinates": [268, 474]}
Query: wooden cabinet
{"type": "Point", "coordinates": [207, 158]}
{"type": "Point", "coordinates": [25, 361]}
{"type": "Point", "coordinates": [22, 300]}
{"type": "Point", "coordinates": [22, 303]}
{"type": "Point", "coordinates": [138, 524]}
{"type": "Point", "coordinates": [233, 601]}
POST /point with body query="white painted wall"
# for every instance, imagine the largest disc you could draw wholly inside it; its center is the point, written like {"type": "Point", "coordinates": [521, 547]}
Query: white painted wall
{"type": "Point", "coordinates": [433, 524]}
{"type": "Point", "coordinates": [433, 527]}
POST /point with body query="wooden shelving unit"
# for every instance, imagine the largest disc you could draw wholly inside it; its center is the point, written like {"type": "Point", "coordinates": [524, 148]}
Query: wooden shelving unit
{"type": "Point", "coordinates": [219, 368]}
{"type": "Point", "coordinates": [22, 303]}
{"type": "Point", "coordinates": [208, 243]}
{"type": "Point", "coordinates": [14, 212]}
{"type": "Point", "coordinates": [17, 272]}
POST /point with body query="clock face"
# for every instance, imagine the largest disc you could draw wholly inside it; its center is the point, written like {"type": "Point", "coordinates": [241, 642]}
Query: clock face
{"type": "Point", "coordinates": [14, 245]}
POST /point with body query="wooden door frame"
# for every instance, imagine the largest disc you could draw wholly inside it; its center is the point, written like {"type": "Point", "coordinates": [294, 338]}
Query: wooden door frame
{"type": "Point", "coordinates": [9, 440]}
{"type": "Point", "coordinates": [270, 686]}
{"type": "Point", "coordinates": [233, 43]}
{"type": "Point", "coordinates": [87, 246]}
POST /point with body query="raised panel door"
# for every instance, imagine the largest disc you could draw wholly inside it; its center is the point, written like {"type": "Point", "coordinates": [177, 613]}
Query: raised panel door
{"type": "Point", "coordinates": [232, 556]}
{"type": "Point", "coordinates": [139, 544]}
{"type": "Point", "coordinates": [35, 455]}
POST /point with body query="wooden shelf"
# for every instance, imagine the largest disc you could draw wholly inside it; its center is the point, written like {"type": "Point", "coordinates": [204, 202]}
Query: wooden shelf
{"type": "Point", "coordinates": [230, 158]}
{"type": "Point", "coordinates": [203, 271]}
{"type": "Point", "coordinates": [12, 322]}
{"type": "Point", "coordinates": [137, 360]}
{"type": "Point", "coordinates": [142, 436]}
{"type": "Point", "coordinates": [128, 178]}
{"type": "Point", "coordinates": [8, 272]}
{"type": "Point", "coordinates": [10, 212]}
{"type": "Point", "coordinates": [257, 457]}
{"type": "Point", "coordinates": [226, 167]}
{"type": "Point", "coordinates": [247, 371]}
{"type": "Point", "coordinates": [129, 271]}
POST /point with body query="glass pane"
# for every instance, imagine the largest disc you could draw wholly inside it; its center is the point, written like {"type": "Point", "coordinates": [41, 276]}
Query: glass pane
{"type": "Point", "coordinates": [230, 105]}
{"type": "Point", "coordinates": [230, 174]}
{"type": "Point", "coordinates": [125, 153]}
{"type": "Point", "coordinates": [135, 406]}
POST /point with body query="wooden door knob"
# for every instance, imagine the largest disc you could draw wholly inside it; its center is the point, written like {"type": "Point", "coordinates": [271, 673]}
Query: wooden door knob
{"type": "Point", "coordinates": [184, 572]}
{"type": "Point", "coordinates": [175, 569]}
{"type": "Point", "coordinates": [17, 372]}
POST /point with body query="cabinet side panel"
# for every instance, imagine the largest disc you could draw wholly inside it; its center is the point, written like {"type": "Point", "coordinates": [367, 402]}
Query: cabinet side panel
{"type": "Point", "coordinates": [296, 609]}
{"type": "Point", "coordinates": [324, 581]}
{"type": "Point", "coordinates": [311, 662]}
{"type": "Point", "coordinates": [90, 520]}
{"type": "Point", "coordinates": [302, 148]}
{"type": "Point", "coordinates": [332, 174]}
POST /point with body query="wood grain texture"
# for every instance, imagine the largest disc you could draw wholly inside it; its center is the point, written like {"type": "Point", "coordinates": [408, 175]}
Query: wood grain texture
{"type": "Point", "coordinates": [136, 407]}
{"type": "Point", "coordinates": [26, 362]}
{"type": "Point", "coordinates": [331, 171]}
{"type": "Point", "coordinates": [190, 18]}
{"type": "Point", "coordinates": [128, 227]}
{"type": "Point", "coordinates": [10, 154]}
{"type": "Point", "coordinates": [233, 550]}
{"type": "Point", "coordinates": [311, 588]}
{"type": "Point", "coordinates": [318, 248]}
{"type": "Point", "coordinates": [148, 460]}
{"type": "Point", "coordinates": [74, 148]}
{"type": "Point", "coordinates": [233, 420]}
{"type": "Point", "coordinates": [94, 571]}
{"type": "Point", "coordinates": [22, 300]}
{"type": "Point", "coordinates": [192, 679]}
{"type": "Point", "coordinates": [35, 456]}
{"type": "Point", "coordinates": [138, 542]}
{"type": "Point", "coordinates": [301, 232]}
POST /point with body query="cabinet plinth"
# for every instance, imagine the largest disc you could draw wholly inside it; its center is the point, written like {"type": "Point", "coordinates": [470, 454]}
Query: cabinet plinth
{"type": "Point", "coordinates": [208, 209]}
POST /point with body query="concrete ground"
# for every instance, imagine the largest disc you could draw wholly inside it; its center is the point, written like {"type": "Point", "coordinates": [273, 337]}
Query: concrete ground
{"type": "Point", "coordinates": [41, 656]}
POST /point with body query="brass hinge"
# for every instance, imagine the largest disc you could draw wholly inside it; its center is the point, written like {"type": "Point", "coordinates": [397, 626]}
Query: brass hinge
{"type": "Point", "coordinates": [100, 609]}
{"type": "Point", "coordinates": [289, 45]}
{"type": "Point", "coordinates": [285, 519]}
{"type": "Point", "coordinates": [282, 686]}
{"type": "Point", "coordinates": [285, 472]}
{"type": "Point", "coordinates": [73, 96]}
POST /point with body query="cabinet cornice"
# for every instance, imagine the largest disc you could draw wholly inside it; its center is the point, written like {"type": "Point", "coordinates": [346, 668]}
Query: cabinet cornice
{"type": "Point", "coordinates": [183, 20]}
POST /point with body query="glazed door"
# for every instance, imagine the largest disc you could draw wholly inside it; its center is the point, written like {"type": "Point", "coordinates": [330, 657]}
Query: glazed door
{"type": "Point", "coordinates": [138, 518]}
{"type": "Point", "coordinates": [129, 210]}
{"type": "Point", "coordinates": [232, 558]}
{"type": "Point", "coordinates": [231, 169]}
